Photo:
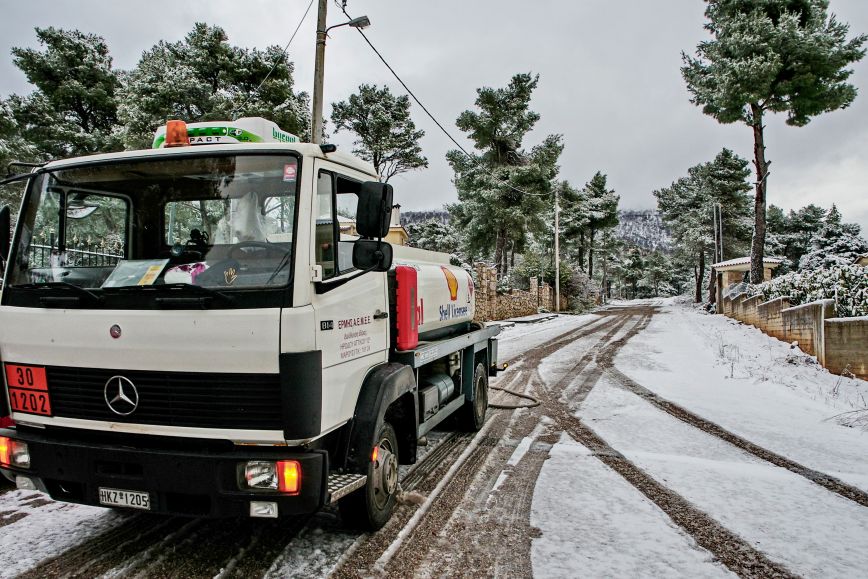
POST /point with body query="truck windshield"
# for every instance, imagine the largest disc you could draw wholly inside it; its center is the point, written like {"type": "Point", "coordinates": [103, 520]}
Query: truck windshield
{"type": "Point", "coordinates": [220, 222]}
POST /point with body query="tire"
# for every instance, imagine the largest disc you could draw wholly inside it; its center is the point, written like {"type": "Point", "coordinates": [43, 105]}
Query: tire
{"type": "Point", "coordinates": [471, 416]}
{"type": "Point", "coordinates": [370, 507]}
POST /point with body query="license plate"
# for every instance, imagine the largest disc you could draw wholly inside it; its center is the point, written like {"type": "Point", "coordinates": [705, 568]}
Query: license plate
{"type": "Point", "coordinates": [122, 498]}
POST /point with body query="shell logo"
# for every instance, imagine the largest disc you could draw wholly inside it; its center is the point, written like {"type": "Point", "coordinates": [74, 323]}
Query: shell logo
{"type": "Point", "coordinates": [452, 282]}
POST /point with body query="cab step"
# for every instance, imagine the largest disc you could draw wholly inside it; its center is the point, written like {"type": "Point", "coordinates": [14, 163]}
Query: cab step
{"type": "Point", "coordinates": [340, 485]}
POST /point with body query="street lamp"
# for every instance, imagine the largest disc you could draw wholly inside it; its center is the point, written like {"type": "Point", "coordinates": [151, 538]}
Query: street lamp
{"type": "Point", "coordinates": [319, 67]}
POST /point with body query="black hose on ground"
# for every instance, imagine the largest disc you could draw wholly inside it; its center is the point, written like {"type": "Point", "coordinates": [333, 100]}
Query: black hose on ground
{"type": "Point", "coordinates": [533, 401]}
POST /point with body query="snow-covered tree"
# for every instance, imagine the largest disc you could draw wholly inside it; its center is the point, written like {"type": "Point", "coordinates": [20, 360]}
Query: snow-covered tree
{"type": "Point", "coordinates": [686, 208]}
{"type": "Point", "coordinates": [602, 205]}
{"type": "Point", "coordinates": [503, 189]}
{"type": "Point", "coordinates": [835, 243]}
{"type": "Point", "coordinates": [203, 78]}
{"type": "Point", "coordinates": [73, 110]}
{"type": "Point", "coordinates": [434, 236]}
{"type": "Point", "coordinates": [387, 135]}
{"type": "Point", "coordinates": [771, 56]}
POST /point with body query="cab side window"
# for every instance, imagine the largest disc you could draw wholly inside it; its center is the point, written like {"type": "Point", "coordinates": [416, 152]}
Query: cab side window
{"type": "Point", "coordinates": [337, 200]}
{"type": "Point", "coordinates": [347, 203]}
{"type": "Point", "coordinates": [325, 224]}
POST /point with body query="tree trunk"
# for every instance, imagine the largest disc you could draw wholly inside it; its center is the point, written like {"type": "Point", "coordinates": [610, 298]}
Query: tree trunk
{"type": "Point", "coordinates": [712, 287]}
{"type": "Point", "coordinates": [762, 172]}
{"type": "Point", "coordinates": [591, 254]}
{"type": "Point", "coordinates": [699, 273]}
{"type": "Point", "coordinates": [582, 250]}
{"type": "Point", "coordinates": [498, 252]}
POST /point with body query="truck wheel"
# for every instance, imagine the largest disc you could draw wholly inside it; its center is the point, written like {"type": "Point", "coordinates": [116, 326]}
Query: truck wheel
{"type": "Point", "coordinates": [371, 506]}
{"type": "Point", "coordinates": [471, 417]}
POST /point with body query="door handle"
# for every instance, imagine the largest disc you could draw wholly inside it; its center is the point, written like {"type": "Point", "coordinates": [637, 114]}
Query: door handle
{"type": "Point", "coordinates": [378, 315]}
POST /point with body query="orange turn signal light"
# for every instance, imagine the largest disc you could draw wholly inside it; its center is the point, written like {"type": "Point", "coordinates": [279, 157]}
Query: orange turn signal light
{"type": "Point", "coordinates": [5, 451]}
{"type": "Point", "coordinates": [176, 134]}
{"type": "Point", "coordinates": [289, 476]}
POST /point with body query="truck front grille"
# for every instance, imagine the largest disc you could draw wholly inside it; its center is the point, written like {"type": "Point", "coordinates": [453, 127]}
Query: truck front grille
{"type": "Point", "coordinates": [191, 399]}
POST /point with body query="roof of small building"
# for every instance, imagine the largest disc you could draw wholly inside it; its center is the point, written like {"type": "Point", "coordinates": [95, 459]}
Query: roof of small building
{"type": "Point", "coordinates": [743, 264]}
{"type": "Point", "coordinates": [863, 259]}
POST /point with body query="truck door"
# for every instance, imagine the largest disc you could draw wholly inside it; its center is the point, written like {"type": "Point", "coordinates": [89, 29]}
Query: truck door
{"type": "Point", "coordinates": [351, 314]}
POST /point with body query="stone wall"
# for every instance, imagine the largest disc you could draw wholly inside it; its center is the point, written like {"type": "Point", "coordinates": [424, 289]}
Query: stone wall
{"type": "Point", "coordinates": [493, 306]}
{"type": "Point", "coordinates": [846, 346]}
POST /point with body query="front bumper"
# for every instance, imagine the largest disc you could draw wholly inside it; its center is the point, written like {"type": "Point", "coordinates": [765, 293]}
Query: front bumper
{"type": "Point", "coordinates": [197, 482]}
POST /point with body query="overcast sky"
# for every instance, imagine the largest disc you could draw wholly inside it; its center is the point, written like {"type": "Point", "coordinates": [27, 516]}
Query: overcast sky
{"type": "Point", "coordinates": [609, 82]}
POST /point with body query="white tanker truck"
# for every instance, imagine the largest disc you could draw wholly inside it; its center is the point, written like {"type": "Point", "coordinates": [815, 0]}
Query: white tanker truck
{"type": "Point", "coordinates": [221, 330]}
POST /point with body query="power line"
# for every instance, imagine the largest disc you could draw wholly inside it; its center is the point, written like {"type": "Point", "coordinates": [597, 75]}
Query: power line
{"type": "Point", "coordinates": [278, 59]}
{"type": "Point", "coordinates": [343, 8]}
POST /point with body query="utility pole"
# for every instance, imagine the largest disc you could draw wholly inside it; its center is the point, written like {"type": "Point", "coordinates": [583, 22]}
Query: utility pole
{"type": "Point", "coordinates": [557, 251]}
{"type": "Point", "coordinates": [319, 73]}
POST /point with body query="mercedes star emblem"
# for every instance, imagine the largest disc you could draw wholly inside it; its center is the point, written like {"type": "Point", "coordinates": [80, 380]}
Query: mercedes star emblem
{"type": "Point", "coordinates": [121, 396]}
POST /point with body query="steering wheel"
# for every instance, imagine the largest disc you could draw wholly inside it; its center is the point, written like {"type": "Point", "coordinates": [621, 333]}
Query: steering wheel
{"type": "Point", "coordinates": [247, 249]}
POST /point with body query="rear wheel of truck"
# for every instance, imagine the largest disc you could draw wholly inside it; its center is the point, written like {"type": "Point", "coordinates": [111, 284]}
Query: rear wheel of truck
{"type": "Point", "coordinates": [471, 416]}
{"type": "Point", "coordinates": [371, 506]}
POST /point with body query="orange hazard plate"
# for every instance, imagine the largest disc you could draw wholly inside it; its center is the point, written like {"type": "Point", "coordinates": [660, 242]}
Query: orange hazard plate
{"type": "Point", "coordinates": [28, 389]}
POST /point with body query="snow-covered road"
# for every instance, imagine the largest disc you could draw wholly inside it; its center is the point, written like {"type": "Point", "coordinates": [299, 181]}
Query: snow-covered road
{"type": "Point", "coordinates": [668, 443]}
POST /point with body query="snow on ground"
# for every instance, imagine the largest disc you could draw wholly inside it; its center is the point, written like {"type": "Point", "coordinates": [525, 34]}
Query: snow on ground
{"type": "Point", "coordinates": [594, 524]}
{"type": "Point", "coordinates": [753, 385]}
{"type": "Point", "coordinates": [44, 528]}
{"type": "Point", "coordinates": [517, 339]}
{"type": "Point", "coordinates": [810, 530]}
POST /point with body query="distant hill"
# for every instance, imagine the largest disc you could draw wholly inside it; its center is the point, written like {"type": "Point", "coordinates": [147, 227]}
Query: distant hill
{"type": "Point", "coordinates": [644, 229]}
{"type": "Point", "coordinates": [409, 217]}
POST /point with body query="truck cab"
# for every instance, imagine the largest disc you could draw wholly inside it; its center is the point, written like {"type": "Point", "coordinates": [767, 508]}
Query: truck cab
{"type": "Point", "coordinates": [215, 327]}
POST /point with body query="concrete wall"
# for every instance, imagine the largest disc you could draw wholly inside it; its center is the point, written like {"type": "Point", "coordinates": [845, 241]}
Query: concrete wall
{"type": "Point", "coordinates": [804, 324]}
{"type": "Point", "coordinates": [769, 317]}
{"type": "Point", "coordinates": [840, 344]}
{"type": "Point", "coordinates": [749, 310]}
{"type": "Point", "coordinates": [846, 346]}
{"type": "Point", "coordinates": [493, 306]}
{"type": "Point", "coordinates": [736, 307]}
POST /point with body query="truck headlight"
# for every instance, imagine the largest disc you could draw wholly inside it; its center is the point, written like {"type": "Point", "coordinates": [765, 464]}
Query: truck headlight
{"type": "Point", "coordinates": [14, 453]}
{"type": "Point", "coordinates": [260, 474]}
{"type": "Point", "coordinates": [283, 476]}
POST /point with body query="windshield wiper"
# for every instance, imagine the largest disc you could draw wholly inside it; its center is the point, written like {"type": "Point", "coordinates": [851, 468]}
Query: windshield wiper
{"type": "Point", "coordinates": [176, 287]}
{"type": "Point", "coordinates": [80, 291]}
{"type": "Point", "coordinates": [279, 267]}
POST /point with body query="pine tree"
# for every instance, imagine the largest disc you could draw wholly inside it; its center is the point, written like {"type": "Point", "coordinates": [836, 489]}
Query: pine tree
{"type": "Point", "coordinates": [387, 136]}
{"type": "Point", "coordinates": [770, 56]}
{"type": "Point", "coordinates": [73, 110]}
{"type": "Point", "coordinates": [834, 244]}
{"type": "Point", "coordinates": [434, 236]}
{"type": "Point", "coordinates": [602, 212]}
{"type": "Point", "coordinates": [503, 190]}
{"type": "Point", "coordinates": [686, 208]}
{"type": "Point", "coordinates": [204, 78]}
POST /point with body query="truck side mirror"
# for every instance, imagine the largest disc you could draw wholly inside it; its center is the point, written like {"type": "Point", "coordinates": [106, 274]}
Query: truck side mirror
{"type": "Point", "coordinates": [372, 255]}
{"type": "Point", "coordinates": [5, 222]}
{"type": "Point", "coordinates": [374, 210]}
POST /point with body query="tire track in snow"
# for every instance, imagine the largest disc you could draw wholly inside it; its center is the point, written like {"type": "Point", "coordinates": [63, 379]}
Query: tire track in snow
{"type": "Point", "coordinates": [826, 481]}
{"type": "Point", "coordinates": [730, 549]}
{"type": "Point", "coordinates": [105, 551]}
